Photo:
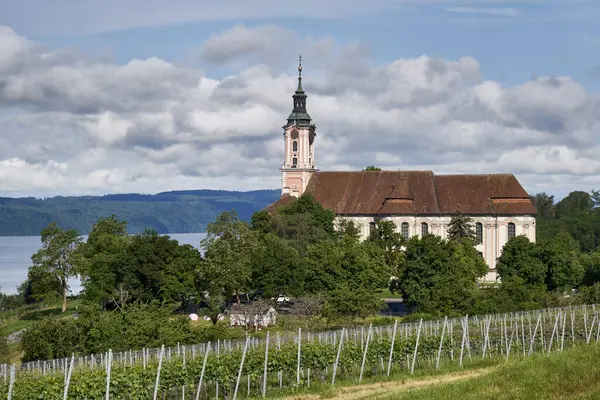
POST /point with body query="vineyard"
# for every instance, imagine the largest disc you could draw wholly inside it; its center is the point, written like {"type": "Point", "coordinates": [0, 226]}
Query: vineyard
{"type": "Point", "coordinates": [256, 368]}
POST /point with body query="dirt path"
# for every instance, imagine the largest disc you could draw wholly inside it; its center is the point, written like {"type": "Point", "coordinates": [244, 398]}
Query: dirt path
{"type": "Point", "coordinates": [385, 389]}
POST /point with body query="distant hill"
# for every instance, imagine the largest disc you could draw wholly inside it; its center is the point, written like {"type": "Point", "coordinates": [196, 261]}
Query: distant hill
{"type": "Point", "coordinates": [181, 211]}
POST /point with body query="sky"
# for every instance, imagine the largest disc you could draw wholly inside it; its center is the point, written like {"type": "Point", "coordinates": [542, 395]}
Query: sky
{"type": "Point", "coordinates": [148, 95]}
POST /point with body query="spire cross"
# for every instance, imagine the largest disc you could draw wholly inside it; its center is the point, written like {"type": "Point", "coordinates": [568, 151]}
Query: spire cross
{"type": "Point", "coordinates": [300, 66]}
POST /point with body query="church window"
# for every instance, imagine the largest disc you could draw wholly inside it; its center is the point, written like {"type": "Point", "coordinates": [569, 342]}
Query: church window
{"type": "Point", "coordinates": [294, 162]}
{"type": "Point", "coordinates": [424, 229]}
{"type": "Point", "coordinates": [372, 227]}
{"type": "Point", "coordinates": [478, 233]}
{"type": "Point", "coordinates": [511, 230]}
{"type": "Point", "coordinates": [404, 230]}
{"type": "Point", "coordinates": [295, 146]}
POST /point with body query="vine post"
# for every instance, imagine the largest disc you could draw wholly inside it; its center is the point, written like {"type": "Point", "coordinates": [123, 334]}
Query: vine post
{"type": "Point", "coordinates": [362, 367]}
{"type": "Point", "coordinates": [239, 377]}
{"type": "Point", "coordinates": [202, 372]}
{"type": "Point", "coordinates": [389, 368]}
{"type": "Point", "coordinates": [414, 360]}
{"type": "Point", "coordinates": [337, 357]}
{"type": "Point", "coordinates": [108, 366]}
{"type": "Point", "coordinates": [160, 360]}
{"type": "Point", "coordinates": [264, 386]}
{"type": "Point", "coordinates": [437, 361]}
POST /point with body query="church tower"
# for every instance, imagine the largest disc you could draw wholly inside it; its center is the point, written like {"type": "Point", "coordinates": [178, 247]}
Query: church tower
{"type": "Point", "coordinates": [299, 136]}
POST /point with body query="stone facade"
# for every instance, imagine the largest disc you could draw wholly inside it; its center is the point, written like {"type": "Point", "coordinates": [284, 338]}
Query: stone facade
{"type": "Point", "coordinates": [494, 231]}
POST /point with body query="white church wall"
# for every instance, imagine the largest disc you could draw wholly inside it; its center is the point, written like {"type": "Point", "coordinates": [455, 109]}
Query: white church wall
{"type": "Point", "coordinates": [495, 231]}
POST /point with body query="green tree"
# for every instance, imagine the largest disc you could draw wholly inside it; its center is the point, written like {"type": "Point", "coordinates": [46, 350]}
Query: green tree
{"type": "Point", "coordinates": [461, 228]}
{"type": "Point", "coordinates": [544, 203]}
{"type": "Point", "coordinates": [55, 263]}
{"type": "Point", "coordinates": [439, 276]}
{"type": "Point", "coordinates": [102, 257]}
{"type": "Point", "coordinates": [386, 237]}
{"type": "Point", "coordinates": [595, 195]}
{"type": "Point", "coordinates": [521, 264]}
{"type": "Point", "coordinates": [306, 204]}
{"type": "Point", "coordinates": [156, 267]}
{"type": "Point", "coordinates": [576, 203]}
{"type": "Point", "coordinates": [345, 259]}
{"type": "Point", "coordinates": [371, 168]}
{"type": "Point", "coordinates": [276, 268]}
{"type": "Point", "coordinates": [229, 245]}
{"type": "Point", "coordinates": [562, 259]}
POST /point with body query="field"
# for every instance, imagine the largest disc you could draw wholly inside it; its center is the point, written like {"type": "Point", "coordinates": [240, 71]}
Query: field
{"type": "Point", "coordinates": [450, 352]}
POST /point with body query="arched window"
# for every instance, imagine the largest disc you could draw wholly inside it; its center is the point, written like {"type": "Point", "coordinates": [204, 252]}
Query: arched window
{"type": "Point", "coordinates": [511, 230]}
{"type": "Point", "coordinates": [372, 227]}
{"type": "Point", "coordinates": [424, 229]}
{"type": "Point", "coordinates": [478, 233]}
{"type": "Point", "coordinates": [295, 146]}
{"type": "Point", "coordinates": [404, 230]}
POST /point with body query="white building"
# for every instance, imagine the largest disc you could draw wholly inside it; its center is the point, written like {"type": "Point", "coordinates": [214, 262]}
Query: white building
{"type": "Point", "coordinates": [418, 202]}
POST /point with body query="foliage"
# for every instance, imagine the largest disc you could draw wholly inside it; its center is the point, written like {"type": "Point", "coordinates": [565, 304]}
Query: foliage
{"type": "Point", "coordinates": [55, 263]}
{"type": "Point", "coordinates": [276, 268]}
{"type": "Point", "coordinates": [371, 168]}
{"type": "Point", "coordinates": [562, 259]}
{"type": "Point", "coordinates": [386, 237]}
{"type": "Point", "coordinates": [461, 228]}
{"type": "Point", "coordinates": [439, 276]}
{"type": "Point", "coordinates": [135, 326]}
{"type": "Point", "coordinates": [520, 263]}
{"type": "Point", "coordinates": [184, 211]}
{"type": "Point", "coordinates": [229, 246]}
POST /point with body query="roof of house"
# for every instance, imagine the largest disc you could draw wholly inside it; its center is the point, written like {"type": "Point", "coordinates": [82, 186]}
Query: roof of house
{"type": "Point", "coordinates": [416, 193]}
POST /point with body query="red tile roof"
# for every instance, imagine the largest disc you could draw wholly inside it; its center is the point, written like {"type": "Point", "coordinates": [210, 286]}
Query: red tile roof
{"type": "Point", "coordinates": [416, 193]}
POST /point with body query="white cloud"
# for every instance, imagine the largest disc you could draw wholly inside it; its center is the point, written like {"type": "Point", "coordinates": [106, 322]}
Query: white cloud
{"type": "Point", "coordinates": [74, 126]}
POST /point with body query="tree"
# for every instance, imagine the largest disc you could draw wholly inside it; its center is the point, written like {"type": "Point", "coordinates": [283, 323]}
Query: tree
{"type": "Point", "coordinates": [440, 276]}
{"type": "Point", "coordinates": [544, 203]}
{"type": "Point", "coordinates": [595, 195]}
{"type": "Point", "coordinates": [102, 257]}
{"type": "Point", "coordinates": [520, 264]}
{"type": "Point", "coordinates": [461, 228]}
{"type": "Point", "coordinates": [371, 168]}
{"type": "Point", "coordinates": [56, 262]}
{"type": "Point", "coordinates": [575, 203]}
{"type": "Point", "coordinates": [345, 259]}
{"type": "Point", "coordinates": [562, 259]}
{"type": "Point", "coordinates": [229, 245]}
{"type": "Point", "coordinates": [386, 237]}
{"type": "Point", "coordinates": [276, 268]}
{"type": "Point", "coordinates": [158, 267]}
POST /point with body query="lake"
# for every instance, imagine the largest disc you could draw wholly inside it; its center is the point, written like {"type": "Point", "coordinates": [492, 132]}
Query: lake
{"type": "Point", "coordinates": [16, 252]}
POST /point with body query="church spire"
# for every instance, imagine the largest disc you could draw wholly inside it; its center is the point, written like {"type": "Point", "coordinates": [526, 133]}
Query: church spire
{"type": "Point", "coordinates": [299, 115]}
{"type": "Point", "coordinates": [300, 90]}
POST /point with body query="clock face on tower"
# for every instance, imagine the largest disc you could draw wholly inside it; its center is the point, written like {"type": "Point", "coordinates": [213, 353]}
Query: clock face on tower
{"type": "Point", "coordinates": [294, 134]}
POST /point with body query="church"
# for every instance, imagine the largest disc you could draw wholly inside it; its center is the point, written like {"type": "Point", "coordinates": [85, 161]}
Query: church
{"type": "Point", "coordinates": [418, 202]}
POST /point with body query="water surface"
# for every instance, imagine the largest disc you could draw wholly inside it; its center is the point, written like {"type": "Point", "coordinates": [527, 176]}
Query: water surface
{"type": "Point", "coordinates": [16, 252]}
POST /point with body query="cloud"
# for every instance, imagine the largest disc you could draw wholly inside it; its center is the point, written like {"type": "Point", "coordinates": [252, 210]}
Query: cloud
{"type": "Point", "coordinates": [504, 12]}
{"type": "Point", "coordinates": [75, 125]}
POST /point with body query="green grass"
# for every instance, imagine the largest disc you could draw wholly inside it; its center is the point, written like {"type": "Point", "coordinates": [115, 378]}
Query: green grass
{"type": "Point", "coordinates": [28, 318]}
{"type": "Point", "coordinates": [572, 374]}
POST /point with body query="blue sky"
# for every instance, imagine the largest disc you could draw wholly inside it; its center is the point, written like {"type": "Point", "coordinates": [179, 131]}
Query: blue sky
{"type": "Point", "coordinates": [513, 40]}
{"type": "Point", "coordinates": [519, 49]}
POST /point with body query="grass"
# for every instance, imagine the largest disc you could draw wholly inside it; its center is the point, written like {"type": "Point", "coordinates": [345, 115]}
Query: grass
{"type": "Point", "coordinates": [572, 374]}
{"type": "Point", "coordinates": [28, 318]}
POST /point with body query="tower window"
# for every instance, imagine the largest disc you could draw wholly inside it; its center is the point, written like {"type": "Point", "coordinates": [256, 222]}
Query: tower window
{"type": "Point", "coordinates": [295, 146]}
{"type": "Point", "coordinates": [424, 229]}
{"type": "Point", "coordinates": [478, 233]}
{"type": "Point", "coordinates": [294, 162]}
{"type": "Point", "coordinates": [511, 230]}
{"type": "Point", "coordinates": [404, 230]}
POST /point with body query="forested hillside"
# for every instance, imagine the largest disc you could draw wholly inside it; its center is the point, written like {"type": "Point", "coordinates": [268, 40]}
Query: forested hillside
{"type": "Point", "coordinates": [183, 211]}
